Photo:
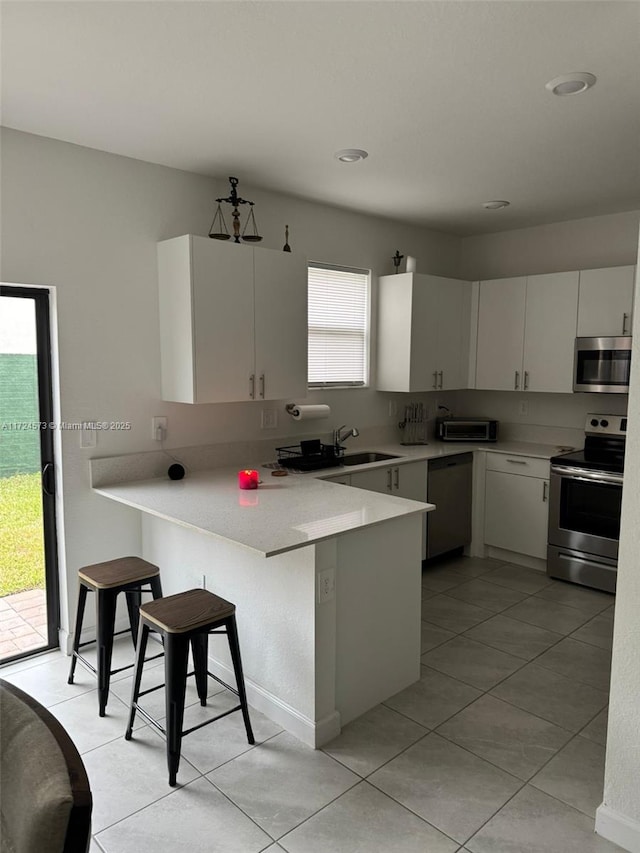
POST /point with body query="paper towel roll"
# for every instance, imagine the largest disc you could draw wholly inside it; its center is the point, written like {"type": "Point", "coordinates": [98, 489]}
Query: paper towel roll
{"type": "Point", "coordinates": [411, 264]}
{"type": "Point", "coordinates": [309, 413]}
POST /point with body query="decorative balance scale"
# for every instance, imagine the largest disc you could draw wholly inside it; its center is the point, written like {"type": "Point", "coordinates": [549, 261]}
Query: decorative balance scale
{"type": "Point", "coordinates": [219, 230]}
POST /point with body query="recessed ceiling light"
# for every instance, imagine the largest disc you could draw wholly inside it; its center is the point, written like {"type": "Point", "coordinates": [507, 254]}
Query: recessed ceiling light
{"type": "Point", "coordinates": [571, 84]}
{"type": "Point", "coordinates": [351, 155]}
{"type": "Point", "coordinates": [495, 205]}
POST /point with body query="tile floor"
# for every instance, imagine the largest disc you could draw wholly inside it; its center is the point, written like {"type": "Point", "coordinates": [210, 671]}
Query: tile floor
{"type": "Point", "coordinates": [499, 747]}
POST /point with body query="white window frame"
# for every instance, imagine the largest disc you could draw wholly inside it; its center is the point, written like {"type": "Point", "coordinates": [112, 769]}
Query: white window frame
{"type": "Point", "coordinates": [364, 383]}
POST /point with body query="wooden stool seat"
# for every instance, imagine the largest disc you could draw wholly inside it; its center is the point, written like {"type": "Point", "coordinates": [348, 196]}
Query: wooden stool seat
{"type": "Point", "coordinates": [185, 620]}
{"type": "Point", "coordinates": [119, 572]}
{"type": "Point", "coordinates": [187, 611]}
{"type": "Point", "coordinates": [124, 574]}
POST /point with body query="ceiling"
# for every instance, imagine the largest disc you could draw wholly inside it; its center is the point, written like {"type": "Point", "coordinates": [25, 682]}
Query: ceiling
{"type": "Point", "coordinates": [447, 97]}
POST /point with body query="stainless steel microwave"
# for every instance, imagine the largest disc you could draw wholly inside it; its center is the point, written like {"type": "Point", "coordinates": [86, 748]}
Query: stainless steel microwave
{"type": "Point", "coordinates": [602, 365]}
{"type": "Point", "coordinates": [466, 429]}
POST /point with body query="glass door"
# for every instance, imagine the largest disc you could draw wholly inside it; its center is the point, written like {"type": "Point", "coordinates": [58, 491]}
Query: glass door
{"type": "Point", "coordinates": [28, 553]}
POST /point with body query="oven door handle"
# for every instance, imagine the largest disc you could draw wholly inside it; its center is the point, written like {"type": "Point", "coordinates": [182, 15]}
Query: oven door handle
{"type": "Point", "coordinates": [587, 476]}
{"type": "Point", "coordinates": [592, 561]}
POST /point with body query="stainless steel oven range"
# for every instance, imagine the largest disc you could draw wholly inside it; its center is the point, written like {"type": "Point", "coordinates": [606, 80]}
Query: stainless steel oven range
{"type": "Point", "coordinates": [585, 499]}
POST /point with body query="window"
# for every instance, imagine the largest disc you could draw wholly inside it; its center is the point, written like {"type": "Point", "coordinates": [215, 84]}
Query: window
{"type": "Point", "coordinates": [338, 326]}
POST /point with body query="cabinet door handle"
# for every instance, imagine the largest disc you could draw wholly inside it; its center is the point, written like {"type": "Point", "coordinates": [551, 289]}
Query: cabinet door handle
{"type": "Point", "coordinates": [526, 380]}
{"type": "Point", "coordinates": [517, 461]}
{"type": "Point", "coordinates": [397, 477]}
{"type": "Point", "coordinates": [262, 385]}
{"type": "Point", "coordinates": [435, 378]}
{"type": "Point", "coordinates": [389, 474]}
{"type": "Point", "coordinates": [441, 378]}
{"type": "Point", "coordinates": [625, 317]}
{"type": "Point", "coordinates": [545, 491]}
{"type": "Point", "coordinates": [252, 386]}
{"type": "Point", "coordinates": [517, 382]}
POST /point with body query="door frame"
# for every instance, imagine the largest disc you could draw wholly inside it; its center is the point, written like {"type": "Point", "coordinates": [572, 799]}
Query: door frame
{"type": "Point", "coordinates": [41, 299]}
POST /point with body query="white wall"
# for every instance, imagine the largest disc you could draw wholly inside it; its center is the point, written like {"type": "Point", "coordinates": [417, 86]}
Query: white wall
{"type": "Point", "coordinates": [87, 223]}
{"type": "Point", "coordinates": [600, 241]}
{"type": "Point", "coordinates": [619, 817]}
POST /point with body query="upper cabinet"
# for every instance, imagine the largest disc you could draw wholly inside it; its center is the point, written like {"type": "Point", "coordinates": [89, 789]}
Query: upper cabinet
{"type": "Point", "coordinates": [606, 302]}
{"type": "Point", "coordinates": [501, 310]}
{"type": "Point", "coordinates": [526, 331]}
{"type": "Point", "coordinates": [423, 339]}
{"type": "Point", "coordinates": [233, 322]}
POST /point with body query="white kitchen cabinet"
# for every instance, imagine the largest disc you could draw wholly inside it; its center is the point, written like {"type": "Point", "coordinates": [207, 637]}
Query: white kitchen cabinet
{"type": "Point", "coordinates": [233, 322]}
{"type": "Point", "coordinates": [516, 510]}
{"type": "Point", "coordinates": [403, 481]}
{"type": "Point", "coordinates": [526, 332]}
{"type": "Point", "coordinates": [423, 341]}
{"type": "Point", "coordinates": [501, 311]}
{"type": "Point", "coordinates": [374, 480]}
{"type": "Point", "coordinates": [549, 332]}
{"type": "Point", "coordinates": [605, 304]}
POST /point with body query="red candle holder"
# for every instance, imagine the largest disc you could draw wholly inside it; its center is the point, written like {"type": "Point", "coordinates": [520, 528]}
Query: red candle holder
{"type": "Point", "coordinates": [248, 479]}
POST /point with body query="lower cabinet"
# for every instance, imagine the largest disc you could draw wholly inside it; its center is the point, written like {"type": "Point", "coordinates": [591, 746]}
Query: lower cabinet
{"type": "Point", "coordinates": [403, 481]}
{"type": "Point", "coordinates": [516, 511]}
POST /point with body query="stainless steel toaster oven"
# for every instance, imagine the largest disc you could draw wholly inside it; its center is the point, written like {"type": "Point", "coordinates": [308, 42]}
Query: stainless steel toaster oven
{"type": "Point", "coordinates": [466, 429]}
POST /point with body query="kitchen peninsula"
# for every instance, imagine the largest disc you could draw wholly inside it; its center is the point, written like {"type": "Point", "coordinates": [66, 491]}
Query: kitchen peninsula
{"type": "Point", "coordinates": [326, 581]}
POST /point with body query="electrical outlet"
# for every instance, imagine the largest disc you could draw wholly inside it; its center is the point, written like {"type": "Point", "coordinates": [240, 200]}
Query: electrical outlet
{"type": "Point", "coordinates": [269, 418]}
{"type": "Point", "coordinates": [524, 407]}
{"type": "Point", "coordinates": [158, 428]}
{"type": "Point", "coordinates": [326, 585]}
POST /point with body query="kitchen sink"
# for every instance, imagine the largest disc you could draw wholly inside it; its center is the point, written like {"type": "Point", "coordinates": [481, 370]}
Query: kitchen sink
{"type": "Point", "coordinates": [364, 457]}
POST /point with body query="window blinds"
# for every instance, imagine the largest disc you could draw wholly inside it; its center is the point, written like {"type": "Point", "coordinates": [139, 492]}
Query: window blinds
{"type": "Point", "coordinates": [338, 325]}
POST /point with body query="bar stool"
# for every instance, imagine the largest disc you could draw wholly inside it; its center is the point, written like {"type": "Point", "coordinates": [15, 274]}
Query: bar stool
{"type": "Point", "coordinates": [124, 574]}
{"type": "Point", "coordinates": [186, 618]}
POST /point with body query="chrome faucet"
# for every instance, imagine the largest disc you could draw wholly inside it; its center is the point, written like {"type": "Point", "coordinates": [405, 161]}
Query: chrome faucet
{"type": "Point", "coordinates": [339, 437]}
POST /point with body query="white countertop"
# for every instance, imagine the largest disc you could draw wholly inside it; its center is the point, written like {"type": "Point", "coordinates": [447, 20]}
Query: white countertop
{"type": "Point", "coordinates": [435, 449]}
{"type": "Point", "coordinates": [290, 512]}
{"type": "Point", "coordinates": [283, 514]}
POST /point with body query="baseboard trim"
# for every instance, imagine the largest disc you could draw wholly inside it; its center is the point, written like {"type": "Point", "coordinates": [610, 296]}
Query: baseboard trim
{"type": "Point", "coordinates": [88, 635]}
{"type": "Point", "coordinates": [515, 558]}
{"type": "Point", "coordinates": [313, 733]}
{"type": "Point", "coordinates": [618, 828]}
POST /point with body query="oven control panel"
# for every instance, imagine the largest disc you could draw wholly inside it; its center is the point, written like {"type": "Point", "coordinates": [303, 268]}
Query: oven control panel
{"type": "Point", "coordinates": [603, 424]}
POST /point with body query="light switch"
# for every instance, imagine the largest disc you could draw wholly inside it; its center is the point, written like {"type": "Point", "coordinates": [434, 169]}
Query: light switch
{"type": "Point", "coordinates": [88, 437]}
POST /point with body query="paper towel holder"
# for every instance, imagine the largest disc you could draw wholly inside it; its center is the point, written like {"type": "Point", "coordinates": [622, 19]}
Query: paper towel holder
{"type": "Point", "coordinates": [303, 412]}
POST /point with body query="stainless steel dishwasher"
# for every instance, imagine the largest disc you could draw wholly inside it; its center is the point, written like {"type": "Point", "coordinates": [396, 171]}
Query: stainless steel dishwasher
{"type": "Point", "coordinates": [449, 486]}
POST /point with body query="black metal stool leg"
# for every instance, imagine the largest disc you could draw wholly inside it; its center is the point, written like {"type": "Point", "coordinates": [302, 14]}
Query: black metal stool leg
{"type": "Point", "coordinates": [105, 623]}
{"type": "Point", "coordinates": [156, 587]}
{"type": "Point", "coordinates": [200, 649]}
{"type": "Point", "coordinates": [234, 647]}
{"type": "Point", "coordinates": [143, 634]}
{"type": "Point", "coordinates": [176, 654]}
{"type": "Point", "coordinates": [82, 599]}
{"type": "Point", "coordinates": [134, 600]}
